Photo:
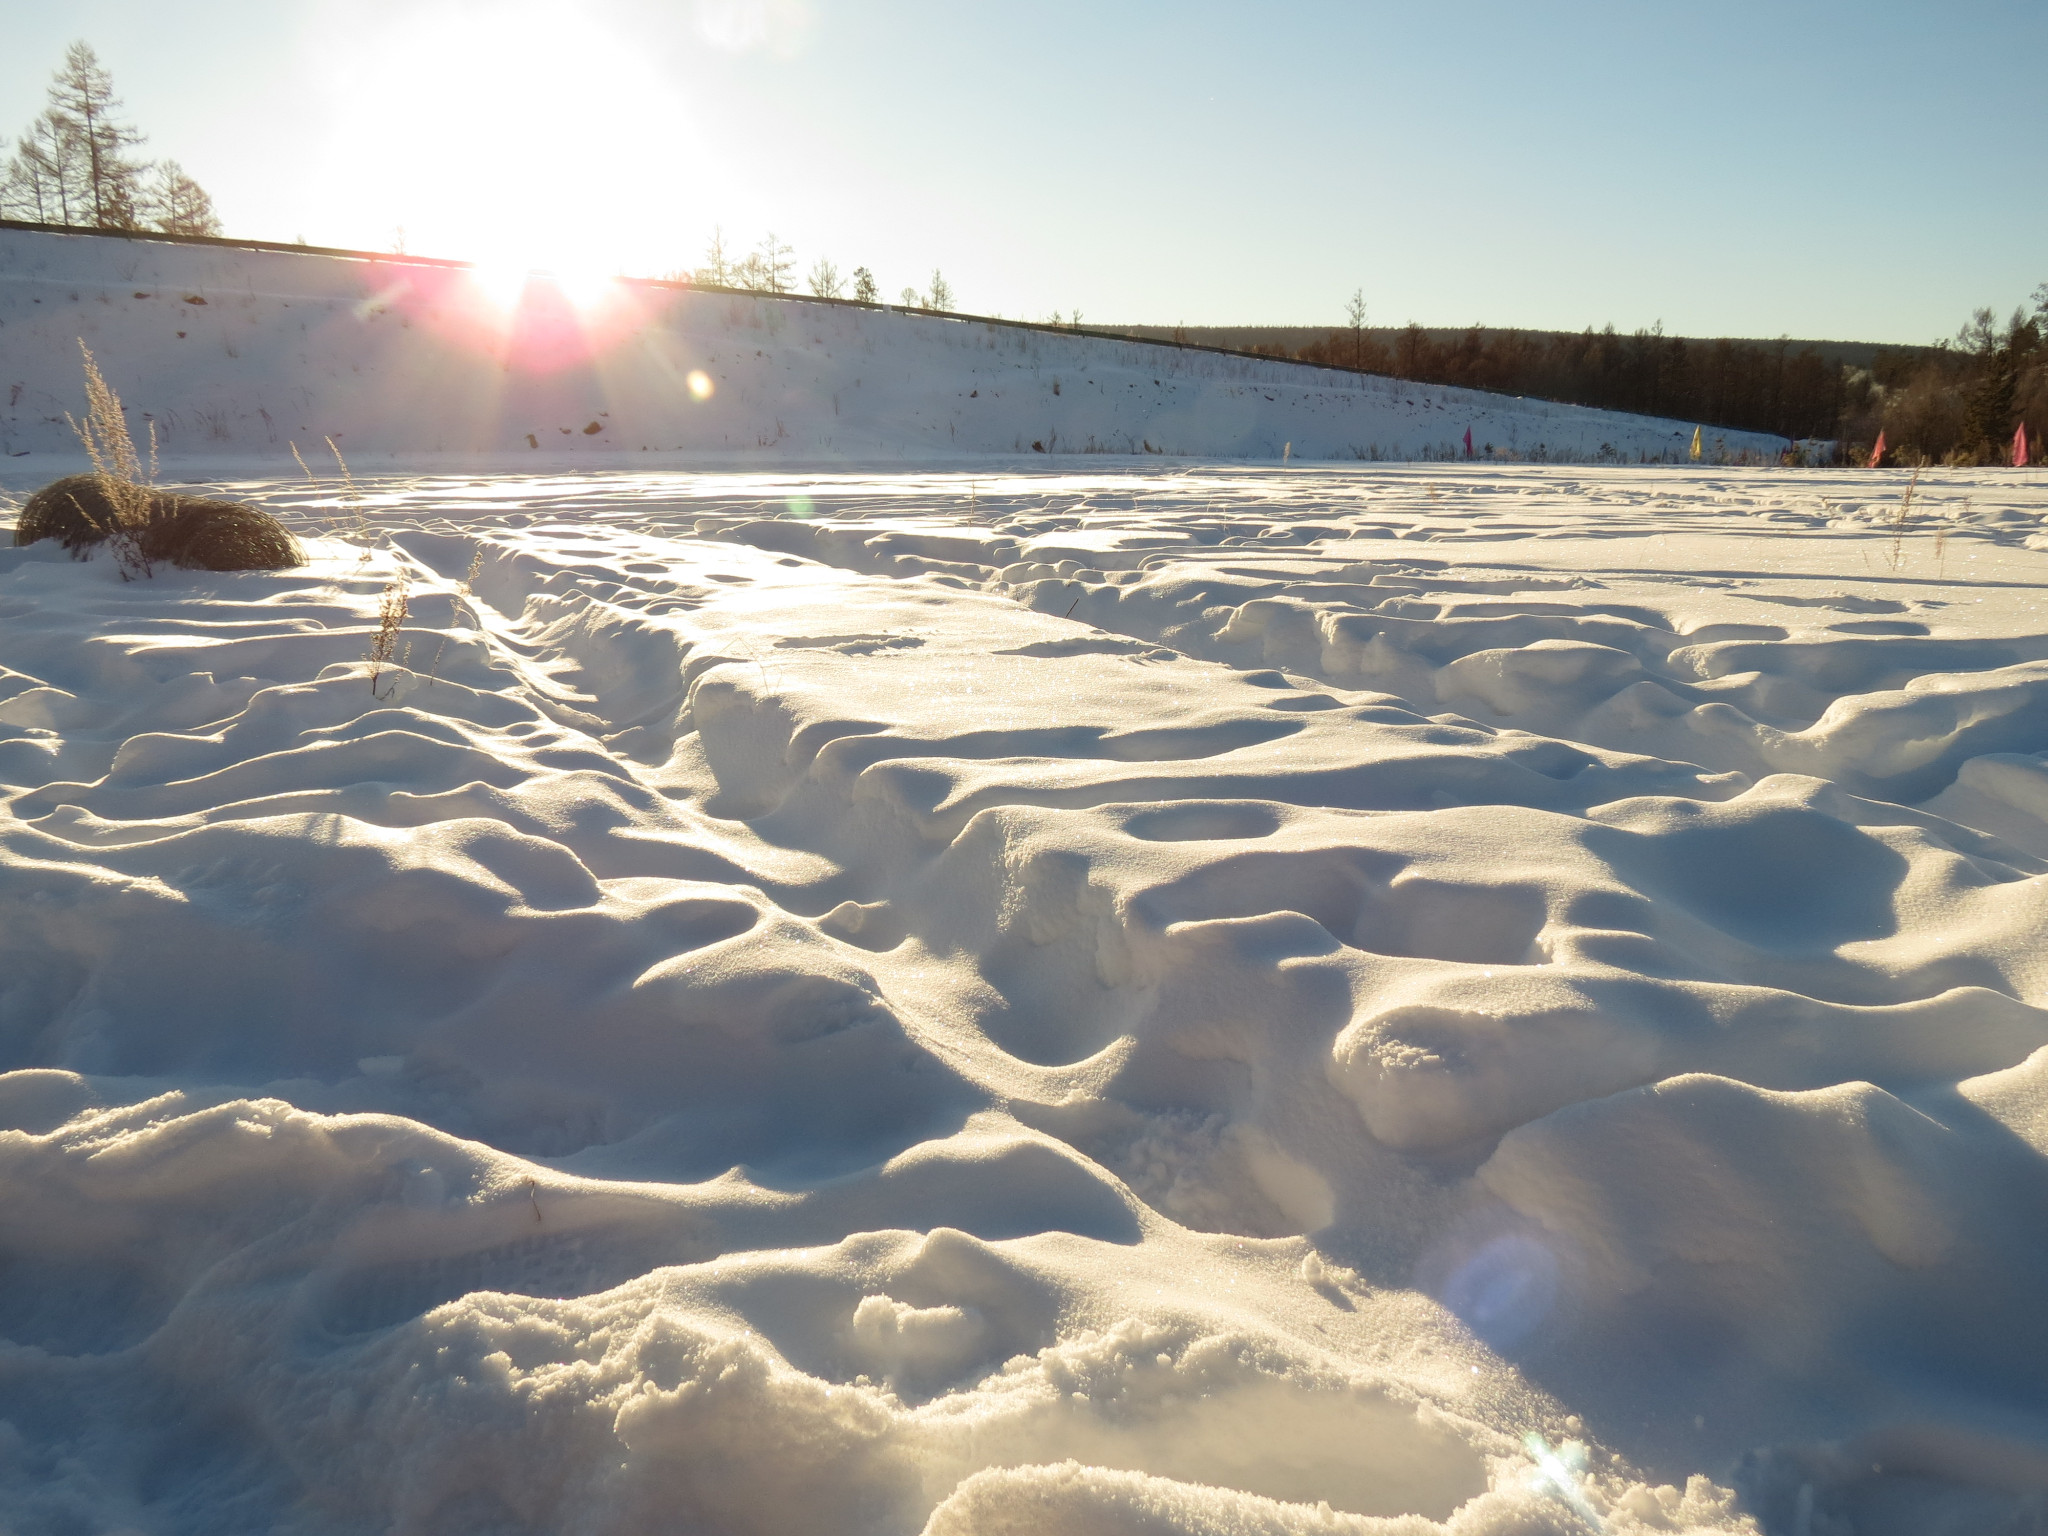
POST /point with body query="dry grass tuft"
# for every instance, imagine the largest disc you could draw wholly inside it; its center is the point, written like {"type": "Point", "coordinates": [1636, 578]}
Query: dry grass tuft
{"type": "Point", "coordinates": [118, 506]}
{"type": "Point", "coordinates": [195, 533]}
{"type": "Point", "coordinates": [123, 507]}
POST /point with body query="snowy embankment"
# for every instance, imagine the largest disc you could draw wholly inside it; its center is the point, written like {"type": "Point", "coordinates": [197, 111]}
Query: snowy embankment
{"type": "Point", "coordinates": [1400, 1001]}
{"type": "Point", "coordinates": [237, 354]}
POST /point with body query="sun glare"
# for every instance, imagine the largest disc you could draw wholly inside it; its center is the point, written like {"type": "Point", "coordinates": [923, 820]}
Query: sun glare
{"type": "Point", "coordinates": [479, 126]}
{"type": "Point", "coordinates": [508, 286]}
{"type": "Point", "coordinates": [584, 290]}
{"type": "Point", "coordinates": [503, 286]}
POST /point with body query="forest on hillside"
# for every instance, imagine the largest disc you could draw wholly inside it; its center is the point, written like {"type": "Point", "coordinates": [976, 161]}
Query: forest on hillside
{"type": "Point", "coordinates": [1956, 401]}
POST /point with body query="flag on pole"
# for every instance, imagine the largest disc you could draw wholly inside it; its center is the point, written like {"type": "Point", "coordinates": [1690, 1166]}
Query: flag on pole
{"type": "Point", "coordinates": [1695, 445]}
{"type": "Point", "coordinates": [1468, 442]}
{"type": "Point", "coordinates": [2019, 447]}
{"type": "Point", "coordinates": [1877, 453]}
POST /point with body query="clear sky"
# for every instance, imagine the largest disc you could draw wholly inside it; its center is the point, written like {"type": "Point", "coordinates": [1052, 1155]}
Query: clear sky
{"type": "Point", "coordinates": [1870, 171]}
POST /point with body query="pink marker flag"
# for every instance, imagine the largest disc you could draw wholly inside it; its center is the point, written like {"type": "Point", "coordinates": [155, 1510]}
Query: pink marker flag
{"type": "Point", "coordinates": [2019, 447]}
{"type": "Point", "coordinates": [1468, 442]}
{"type": "Point", "coordinates": [1877, 453]}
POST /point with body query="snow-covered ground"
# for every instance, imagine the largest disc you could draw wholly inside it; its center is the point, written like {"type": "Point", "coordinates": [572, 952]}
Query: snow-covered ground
{"type": "Point", "coordinates": [1236, 1000]}
{"type": "Point", "coordinates": [244, 353]}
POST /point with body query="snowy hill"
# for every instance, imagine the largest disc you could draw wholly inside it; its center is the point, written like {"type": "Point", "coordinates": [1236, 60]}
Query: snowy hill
{"type": "Point", "coordinates": [238, 353]}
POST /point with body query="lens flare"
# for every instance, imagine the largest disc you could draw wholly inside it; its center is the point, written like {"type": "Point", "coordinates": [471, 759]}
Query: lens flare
{"type": "Point", "coordinates": [585, 290]}
{"type": "Point", "coordinates": [531, 322]}
{"type": "Point", "coordinates": [1563, 1472]}
{"type": "Point", "coordinates": [1505, 1289]}
{"type": "Point", "coordinates": [502, 286]}
{"type": "Point", "coordinates": [700, 384]}
{"type": "Point", "coordinates": [508, 285]}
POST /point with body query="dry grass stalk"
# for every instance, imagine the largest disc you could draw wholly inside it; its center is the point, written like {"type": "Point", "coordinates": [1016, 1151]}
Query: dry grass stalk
{"type": "Point", "coordinates": [1903, 521]}
{"type": "Point", "coordinates": [356, 527]}
{"type": "Point", "coordinates": [476, 564]}
{"type": "Point", "coordinates": [394, 603]}
{"type": "Point", "coordinates": [117, 467]}
{"type": "Point", "coordinates": [392, 607]}
{"type": "Point", "coordinates": [359, 525]}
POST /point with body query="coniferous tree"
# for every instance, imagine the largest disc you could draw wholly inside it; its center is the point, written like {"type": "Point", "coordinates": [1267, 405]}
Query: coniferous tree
{"type": "Point", "coordinates": [1998, 358]}
{"type": "Point", "coordinates": [38, 185]}
{"type": "Point", "coordinates": [74, 167]}
{"type": "Point", "coordinates": [824, 279]}
{"type": "Point", "coordinates": [717, 270]}
{"type": "Point", "coordinates": [179, 205]}
{"type": "Point", "coordinates": [82, 95]}
{"type": "Point", "coordinates": [772, 266]}
{"type": "Point", "coordinates": [864, 289]}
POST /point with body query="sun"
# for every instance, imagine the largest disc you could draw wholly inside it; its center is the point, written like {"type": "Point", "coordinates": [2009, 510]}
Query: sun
{"type": "Point", "coordinates": [493, 132]}
{"type": "Point", "coordinates": [585, 290]}
{"type": "Point", "coordinates": [507, 286]}
{"type": "Point", "coordinates": [501, 285]}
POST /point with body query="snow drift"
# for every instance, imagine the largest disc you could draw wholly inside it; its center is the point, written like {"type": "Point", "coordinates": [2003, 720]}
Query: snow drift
{"type": "Point", "coordinates": [235, 353]}
{"type": "Point", "coordinates": [1395, 1002]}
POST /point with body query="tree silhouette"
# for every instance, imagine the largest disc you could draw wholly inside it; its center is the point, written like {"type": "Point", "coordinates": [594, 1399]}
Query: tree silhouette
{"type": "Point", "coordinates": [772, 266]}
{"type": "Point", "coordinates": [180, 204]}
{"type": "Point", "coordinates": [82, 95]}
{"type": "Point", "coordinates": [717, 269]}
{"type": "Point", "coordinates": [1355, 313]}
{"type": "Point", "coordinates": [74, 167]}
{"type": "Point", "coordinates": [41, 176]}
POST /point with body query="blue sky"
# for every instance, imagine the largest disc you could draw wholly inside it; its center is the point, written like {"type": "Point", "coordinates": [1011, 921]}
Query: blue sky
{"type": "Point", "coordinates": [1868, 171]}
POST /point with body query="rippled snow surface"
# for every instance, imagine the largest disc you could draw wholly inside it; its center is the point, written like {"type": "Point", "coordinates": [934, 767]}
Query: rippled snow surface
{"type": "Point", "coordinates": [1219, 1001]}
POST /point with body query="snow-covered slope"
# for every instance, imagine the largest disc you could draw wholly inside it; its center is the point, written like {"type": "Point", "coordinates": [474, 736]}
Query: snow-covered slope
{"type": "Point", "coordinates": [1392, 1002]}
{"type": "Point", "coordinates": [239, 354]}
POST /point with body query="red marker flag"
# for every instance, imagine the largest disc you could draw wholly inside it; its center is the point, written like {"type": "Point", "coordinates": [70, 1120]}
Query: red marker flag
{"type": "Point", "coordinates": [1877, 453]}
{"type": "Point", "coordinates": [2019, 447]}
{"type": "Point", "coordinates": [1468, 442]}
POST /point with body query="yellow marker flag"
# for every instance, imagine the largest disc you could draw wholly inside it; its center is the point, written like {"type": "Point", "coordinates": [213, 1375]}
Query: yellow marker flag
{"type": "Point", "coordinates": [1695, 445]}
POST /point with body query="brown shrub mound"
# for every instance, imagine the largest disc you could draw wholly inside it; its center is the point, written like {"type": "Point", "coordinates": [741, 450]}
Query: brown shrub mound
{"type": "Point", "coordinates": [194, 532]}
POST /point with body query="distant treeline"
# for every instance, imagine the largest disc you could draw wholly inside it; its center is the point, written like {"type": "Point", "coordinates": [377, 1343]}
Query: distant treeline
{"type": "Point", "coordinates": [1960, 402]}
{"type": "Point", "coordinates": [1953, 402]}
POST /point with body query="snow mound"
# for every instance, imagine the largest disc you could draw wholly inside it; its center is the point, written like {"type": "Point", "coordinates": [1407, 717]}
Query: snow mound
{"type": "Point", "coordinates": [1399, 1002]}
